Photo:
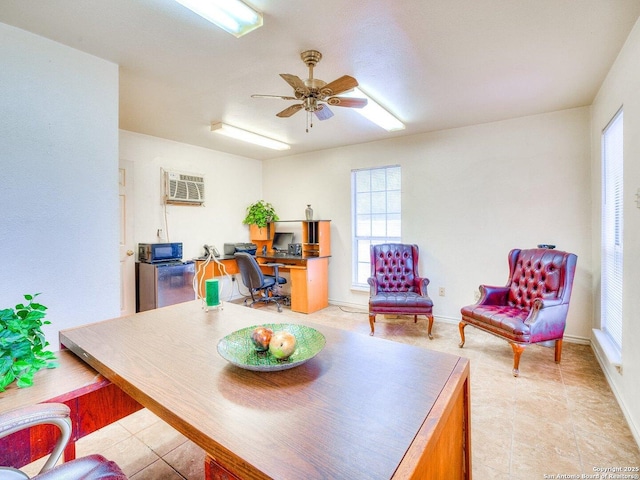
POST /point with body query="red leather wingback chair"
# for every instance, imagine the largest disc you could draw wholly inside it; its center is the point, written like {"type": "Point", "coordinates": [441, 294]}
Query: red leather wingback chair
{"type": "Point", "coordinates": [532, 307]}
{"type": "Point", "coordinates": [396, 288]}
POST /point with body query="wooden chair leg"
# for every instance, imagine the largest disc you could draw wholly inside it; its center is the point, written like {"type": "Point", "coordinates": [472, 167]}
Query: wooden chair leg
{"type": "Point", "coordinates": [558, 350]}
{"type": "Point", "coordinates": [372, 318]}
{"type": "Point", "coordinates": [461, 326]}
{"type": "Point", "coordinates": [430, 318]}
{"type": "Point", "coordinates": [517, 351]}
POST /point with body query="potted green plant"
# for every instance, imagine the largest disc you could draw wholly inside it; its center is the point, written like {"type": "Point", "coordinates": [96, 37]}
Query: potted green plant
{"type": "Point", "coordinates": [260, 217]}
{"type": "Point", "coordinates": [23, 344]}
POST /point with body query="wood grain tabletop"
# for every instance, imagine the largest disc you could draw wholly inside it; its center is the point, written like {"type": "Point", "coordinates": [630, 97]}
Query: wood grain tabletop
{"type": "Point", "coordinates": [350, 412]}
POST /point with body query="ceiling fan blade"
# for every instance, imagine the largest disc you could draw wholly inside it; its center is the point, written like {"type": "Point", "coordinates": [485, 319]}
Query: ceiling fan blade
{"type": "Point", "coordinates": [347, 102]}
{"type": "Point", "coordinates": [323, 113]}
{"type": "Point", "coordinates": [287, 112]}
{"type": "Point", "coordinates": [338, 86]}
{"type": "Point", "coordinates": [297, 84]}
{"type": "Point", "coordinates": [274, 96]}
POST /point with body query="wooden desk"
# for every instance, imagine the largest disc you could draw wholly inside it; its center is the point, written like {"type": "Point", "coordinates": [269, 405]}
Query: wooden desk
{"type": "Point", "coordinates": [213, 269]}
{"type": "Point", "coordinates": [309, 278]}
{"type": "Point", "coordinates": [363, 408]}
{"type": "Point", "coordinates": [93, 400]}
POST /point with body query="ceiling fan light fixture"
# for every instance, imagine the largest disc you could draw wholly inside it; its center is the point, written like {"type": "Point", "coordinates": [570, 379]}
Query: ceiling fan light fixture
{"type": "Point", "coordinates": [232, 16]}
{"type": "Point", "coordinates": [247, 136]}
{"type": "Point", "coordinates": [375, 113]}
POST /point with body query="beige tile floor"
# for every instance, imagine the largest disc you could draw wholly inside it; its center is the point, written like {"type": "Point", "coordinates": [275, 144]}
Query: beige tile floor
{"type": "Point", "coordinates": [552, 420]}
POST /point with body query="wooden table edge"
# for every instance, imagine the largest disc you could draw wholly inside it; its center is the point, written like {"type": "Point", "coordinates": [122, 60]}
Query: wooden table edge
{"type": "Point", "coordinates": [433, 427]}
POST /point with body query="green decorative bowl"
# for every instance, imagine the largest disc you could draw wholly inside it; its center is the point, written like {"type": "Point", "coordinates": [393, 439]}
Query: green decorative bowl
{"type": "Point", "coordinates": [238, 349]}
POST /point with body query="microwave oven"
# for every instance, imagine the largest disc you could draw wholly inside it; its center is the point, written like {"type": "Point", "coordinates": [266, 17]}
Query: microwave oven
{"type": "Point", "coordinates": [159, 252]}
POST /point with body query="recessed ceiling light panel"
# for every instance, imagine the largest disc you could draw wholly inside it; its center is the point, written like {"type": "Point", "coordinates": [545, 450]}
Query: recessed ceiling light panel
{"type": "Point", "coordinates": [247, 136]}
{"type": "Point", "coordinates": [232, 16]}
{"type": "Point", "coordinates": [375, 113]}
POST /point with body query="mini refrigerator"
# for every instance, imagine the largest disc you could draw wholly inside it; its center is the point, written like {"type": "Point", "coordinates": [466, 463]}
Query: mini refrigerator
{"type": "Point", "coordinates": [162, 284]}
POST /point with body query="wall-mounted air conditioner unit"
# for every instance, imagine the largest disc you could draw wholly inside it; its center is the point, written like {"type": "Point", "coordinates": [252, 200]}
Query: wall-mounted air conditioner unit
{"type": "Point", "coordinates": [184, 188]}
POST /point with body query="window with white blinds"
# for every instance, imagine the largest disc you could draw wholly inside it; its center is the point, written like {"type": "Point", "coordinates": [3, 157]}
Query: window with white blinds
{"type": "Point", "coordinates": [612, 226]}
{"type": "Point", "coordinates": [376, 215]}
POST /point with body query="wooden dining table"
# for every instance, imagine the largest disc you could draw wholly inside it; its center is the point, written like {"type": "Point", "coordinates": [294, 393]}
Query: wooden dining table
{"type": "Point", "coordinates": [362, 408]}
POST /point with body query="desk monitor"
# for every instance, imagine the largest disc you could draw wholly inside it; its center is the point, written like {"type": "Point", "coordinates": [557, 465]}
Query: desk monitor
{"type": "Point", "coordinates": [281, 241]}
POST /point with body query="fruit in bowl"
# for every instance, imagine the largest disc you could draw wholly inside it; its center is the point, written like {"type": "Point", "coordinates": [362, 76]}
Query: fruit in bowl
{"type": "Point", "coordinates": [282, 344]}
{"type": "Point", "coordinates": [261, 337]}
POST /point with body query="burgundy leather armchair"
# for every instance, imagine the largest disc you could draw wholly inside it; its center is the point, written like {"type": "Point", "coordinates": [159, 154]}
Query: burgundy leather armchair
{"type": "Point", "coordinates": [396, 288]}
{"type": "Point", "coordinates": [532, 307]}
{"type": "Point", "coordinates": [86, 468]}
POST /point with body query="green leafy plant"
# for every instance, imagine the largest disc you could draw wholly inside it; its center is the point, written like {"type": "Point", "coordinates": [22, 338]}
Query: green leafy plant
{"type": "Point", "coordinates": [260, 213]}
{"type": "Point", "coordinates": [22, 343]}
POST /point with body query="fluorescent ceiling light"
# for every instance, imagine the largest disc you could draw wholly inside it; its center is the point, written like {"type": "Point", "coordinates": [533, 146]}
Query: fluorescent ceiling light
{"type": "Point", "coordinates": [246, 136]}
{"type": "Point", "coordinates": [233, 16]}
{"type": "Point", "coordinates": [375, 113]}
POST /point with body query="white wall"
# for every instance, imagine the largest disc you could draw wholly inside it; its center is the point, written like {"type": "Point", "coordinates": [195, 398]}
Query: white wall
{"type": "Point", "coordinates": [58, 200]}
{"type": "Point", "coordinates": [231, 184]}
{"type": "Point", "coordinates": [469, 196]}
{"type": "Point", "coordinates": [621, 89]}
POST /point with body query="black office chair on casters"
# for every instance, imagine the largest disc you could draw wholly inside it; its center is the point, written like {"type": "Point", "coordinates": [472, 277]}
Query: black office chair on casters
{"type": "Point", "coordinates": [263, 288]}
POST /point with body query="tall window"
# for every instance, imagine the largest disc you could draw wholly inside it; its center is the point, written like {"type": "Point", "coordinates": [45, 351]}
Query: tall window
{"type": "Point", "coordinates": [376, 209]}
{"type": "Point", "coordinates": [612, 225]}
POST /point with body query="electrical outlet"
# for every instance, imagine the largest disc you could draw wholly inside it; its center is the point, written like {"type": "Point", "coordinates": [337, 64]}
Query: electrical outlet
{"type": "Point", "coordinates": [476, 295]}
{"type": "Point", "coordinates": [441, 291]}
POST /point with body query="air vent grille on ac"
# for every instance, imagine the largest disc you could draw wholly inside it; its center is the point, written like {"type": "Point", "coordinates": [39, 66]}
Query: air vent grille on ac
{"type": "Point", "coordinates": [185, 188]}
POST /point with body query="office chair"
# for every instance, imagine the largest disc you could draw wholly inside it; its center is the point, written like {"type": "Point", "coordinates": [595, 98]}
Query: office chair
{"type": "Point", "coordinates": [263, 288]}
{"type": "Point", "coordinates": [91, 467]}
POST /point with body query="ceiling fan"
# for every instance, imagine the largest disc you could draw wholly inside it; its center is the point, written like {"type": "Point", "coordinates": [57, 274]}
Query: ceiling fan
{"type": "Point", "coordinates": [316, 94]}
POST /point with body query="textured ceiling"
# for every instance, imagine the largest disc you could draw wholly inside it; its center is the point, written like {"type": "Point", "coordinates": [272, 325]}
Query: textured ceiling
{"type": "Point", "coordinates": [436, 64]}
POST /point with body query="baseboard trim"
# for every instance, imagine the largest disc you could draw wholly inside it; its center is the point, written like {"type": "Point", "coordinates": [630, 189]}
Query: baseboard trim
{"type": "Point", "coordinates": [358, 306]}
{"type": "Point", "coordinates": [604, 361]}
